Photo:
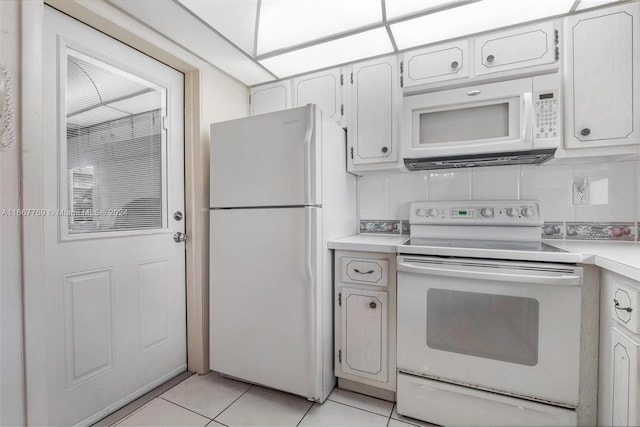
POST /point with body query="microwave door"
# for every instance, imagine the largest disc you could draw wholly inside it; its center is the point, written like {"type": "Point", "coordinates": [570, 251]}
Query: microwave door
{"type": "Point", "coordinates": [490, 119]}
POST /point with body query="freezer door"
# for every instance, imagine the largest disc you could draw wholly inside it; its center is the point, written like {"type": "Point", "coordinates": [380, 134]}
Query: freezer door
{"type": "Point", "coordinates": [266, 160]}
{"type": "Point", "coordinates": [264, 314]}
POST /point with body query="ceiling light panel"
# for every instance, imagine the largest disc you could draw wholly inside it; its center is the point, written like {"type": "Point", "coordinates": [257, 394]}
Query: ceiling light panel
{"type": "Point", "coordinates": [401, 8]}
{"type": "Point", "coordinates": [236, 20]}
{"type": "Point", "coordinates": [474, 18]}
{"type": "Point", "coordinates": [287, 23]}
{"type": "Point", "coordinates": [347, 49]}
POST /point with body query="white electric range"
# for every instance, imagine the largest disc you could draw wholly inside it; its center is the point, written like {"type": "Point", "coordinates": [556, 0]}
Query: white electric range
{"type": "Point", "coordinates": [493, 324]}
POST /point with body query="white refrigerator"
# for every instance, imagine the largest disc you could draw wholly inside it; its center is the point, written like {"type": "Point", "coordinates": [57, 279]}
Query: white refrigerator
{"type": "Point", "coordinates": [279, 191]}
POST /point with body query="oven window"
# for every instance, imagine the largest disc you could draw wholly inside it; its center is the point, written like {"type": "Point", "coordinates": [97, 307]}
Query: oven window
{"type": "Point", "coordinates": [499, 327]}
{"type": "Point", "coordinates": [465, 124]}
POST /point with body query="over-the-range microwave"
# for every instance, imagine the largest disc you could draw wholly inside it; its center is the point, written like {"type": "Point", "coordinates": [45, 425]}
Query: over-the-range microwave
{"type": "Point", "coordinates": [508, 122]}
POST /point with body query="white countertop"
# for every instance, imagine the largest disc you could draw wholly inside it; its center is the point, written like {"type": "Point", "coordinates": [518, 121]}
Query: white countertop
{"type": "Point", "coordinates": [619, 257]}
{"type": "Point", "coordinates": [369, 242]}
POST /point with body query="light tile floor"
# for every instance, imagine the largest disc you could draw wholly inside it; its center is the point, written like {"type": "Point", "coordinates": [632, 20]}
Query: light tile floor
{"type": "Point", "coordinates": [212, 400]}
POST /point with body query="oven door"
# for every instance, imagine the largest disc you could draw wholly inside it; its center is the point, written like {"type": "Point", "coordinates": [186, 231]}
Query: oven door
{"type": "Point", "coordinates": [501, 326]}
{"type": "Point", "coordinates": [489, 118]}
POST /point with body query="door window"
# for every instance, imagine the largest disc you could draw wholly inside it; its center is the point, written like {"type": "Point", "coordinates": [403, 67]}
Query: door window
{"type": "Point", "coordinates": [499, 327]}
{"type": "Point", "coordinates": [113, 149]}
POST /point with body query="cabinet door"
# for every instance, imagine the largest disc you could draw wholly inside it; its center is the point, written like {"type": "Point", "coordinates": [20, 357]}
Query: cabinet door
{"type": "Point", "coordinates": [601, 91]}
{"type": "Point", "coordinates": [364, 333]}
{"type": "Point", "coordinates": [519, 48]}
{"type": "Point", "coordinates": [323, 89]}
{"type": "Point", "coordinates": [270, 97]}
{"type": "Point", "coordinates": [373, 123]}
{"type": "Point", "coordinates": [436, 64]}
{"type": "Point", "coordinates": [625, 396]}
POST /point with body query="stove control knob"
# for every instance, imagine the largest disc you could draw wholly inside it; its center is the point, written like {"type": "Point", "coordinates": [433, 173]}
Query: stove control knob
{"type": "Point", "coordinates": [421, 212]}
{"type": "Point", "coordinates": [433, 212]}
{"type": "Point", "coordinates": [512, 212]}
{"type": "Point", "coordinates": [527, 212]}
{"type": "Point", "coordinates": [486, 212]}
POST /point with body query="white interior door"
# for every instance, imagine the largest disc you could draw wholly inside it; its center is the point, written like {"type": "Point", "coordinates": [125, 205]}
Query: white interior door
{"type": "Point", "coordinates": [113, 178]}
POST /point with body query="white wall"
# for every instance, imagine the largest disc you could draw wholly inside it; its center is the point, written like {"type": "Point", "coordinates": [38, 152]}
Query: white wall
{"type": "Point", "coordinates": [615, 190]}
{"type": "Point", "coordinates": [11, 384]}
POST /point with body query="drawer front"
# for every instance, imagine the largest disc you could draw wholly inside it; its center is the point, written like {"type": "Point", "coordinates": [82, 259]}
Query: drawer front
{"type": "Point", "coordinates": [448, 404]}
{"type": "Point", "coordinates": [626, 307]}
{"type": "Point", "coordinates": [373, 272]}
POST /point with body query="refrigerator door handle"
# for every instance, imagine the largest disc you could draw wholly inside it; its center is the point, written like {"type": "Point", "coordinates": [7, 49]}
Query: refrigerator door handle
{"type": "Point", "coordinates": [310, 262]}
{"type": "Point", "coordinates": [309, 154]}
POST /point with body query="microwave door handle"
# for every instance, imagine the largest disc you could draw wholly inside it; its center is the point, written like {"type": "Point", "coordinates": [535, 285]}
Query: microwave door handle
{"type": "Point", "coordinates": [560, 280]}
{"type": "Point", "coordinates": [527, 107]}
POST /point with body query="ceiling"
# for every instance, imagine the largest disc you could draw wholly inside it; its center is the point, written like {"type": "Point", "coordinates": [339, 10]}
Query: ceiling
{"type": "Point", "coordinates": [257, 41]}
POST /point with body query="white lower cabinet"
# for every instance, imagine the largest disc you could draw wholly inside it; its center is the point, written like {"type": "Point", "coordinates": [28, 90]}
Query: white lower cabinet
{"type": "Point", "coordinates": [625, 399]}
{"type": "Point", "coordinates": [619, 384]}
{"type": "Point", "coordinates": [365, 320]}
{"type": "Point", "coordinates": [364, 349]}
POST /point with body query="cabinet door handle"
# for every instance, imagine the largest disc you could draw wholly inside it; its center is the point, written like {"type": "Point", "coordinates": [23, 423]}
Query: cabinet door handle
{"type": "Point", "coordinates": [362, 272]}
{"type": "Point", "coordinates": [490, 58]}
{"type": "Point", "coordinates": [385, 149]}
{"type": "Point", "coordinates": [585, 132]}
{"type": "Point", "coordinates": [373, 305]}
{"type": "Point", "coordinates": [617, 304]}
{"type": "Point", "coordinates": [454, 64]}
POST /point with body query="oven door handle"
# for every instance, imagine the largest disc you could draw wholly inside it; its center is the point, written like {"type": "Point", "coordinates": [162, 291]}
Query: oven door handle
{"type": "Point", "coordinates": [559, 280]}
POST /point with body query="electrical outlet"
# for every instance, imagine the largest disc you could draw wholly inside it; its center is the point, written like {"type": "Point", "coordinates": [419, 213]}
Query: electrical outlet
{"type": "Point", "coordinates": [581, 193]}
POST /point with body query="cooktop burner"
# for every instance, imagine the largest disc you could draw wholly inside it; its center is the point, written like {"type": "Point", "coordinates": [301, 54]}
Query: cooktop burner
{"type": "Point", "coordinates": [482, 244]}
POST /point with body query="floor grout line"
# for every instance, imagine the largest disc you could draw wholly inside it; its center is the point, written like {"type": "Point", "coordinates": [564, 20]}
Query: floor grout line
{"type": "Point", "coordinates": [184, 407]}
{"type": "Point", "coordinates": [362, 409]}
{"type": "Point", "coordinates": [227, 407]}
{"type": "Point", "coordinates": [305, 414]}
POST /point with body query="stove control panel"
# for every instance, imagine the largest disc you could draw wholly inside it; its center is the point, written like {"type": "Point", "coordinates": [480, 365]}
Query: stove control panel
{"type": "Point", "coordinates": [516, 213]}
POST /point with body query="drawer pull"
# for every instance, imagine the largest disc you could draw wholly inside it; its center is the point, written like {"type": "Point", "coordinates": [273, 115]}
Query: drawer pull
{"type": "Point", "coordinates": [373, 305]}
{"type": "Point", "coordinates": [617, 304]}
{"type": "Point", "coordinates": [362, 272]}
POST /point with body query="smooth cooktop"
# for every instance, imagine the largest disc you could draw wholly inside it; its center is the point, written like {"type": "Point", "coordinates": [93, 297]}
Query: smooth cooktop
{"type": "Point", "coordinates": [489, 249]}
{"type": "Point", "coordinates": [482, 244]}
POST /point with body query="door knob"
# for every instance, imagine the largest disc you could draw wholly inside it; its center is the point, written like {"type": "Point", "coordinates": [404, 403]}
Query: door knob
{"type": "Point", "coordinates": [179, 237]}
{"type": "Point", "coordinates": [490, 58]}
{"type": "Point", "coordinates": [454, 64]}
{"type": "Point", "coordinates": [585, 132]}
{"type": "Point", "coordinates": [373, 305]}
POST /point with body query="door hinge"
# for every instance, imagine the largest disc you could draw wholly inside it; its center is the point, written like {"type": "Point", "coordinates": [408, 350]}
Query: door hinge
{"type": "Point", "coordinates": [341, 79]}
{"type": "Point", "coordinates": [352, 77]}
{"type": "Point", "coordinates": [249, 99]}
{"type": "Point", "coordinates": [340, 298]}
{"type": "Point", "coordinates": [339, 356]}
{"type": "Point", "coordinates": [401, 67]}
{"type": "Point", "coordinates": [557, 53]}
{"type": "Point", "coordinates": [342, 109]}
{"type": "Point", "coordinates": [165, 122]}
{"type": "Point", "coordinates": [401, 81]}
{"type": "Point", "coordinates": [557, 40]}
{"type": "Point", "coordinates": [351, 153]}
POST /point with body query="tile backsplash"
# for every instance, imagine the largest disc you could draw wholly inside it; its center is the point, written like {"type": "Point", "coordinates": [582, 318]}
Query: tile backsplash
{"type": "Point", "coordinates": [613, 194]}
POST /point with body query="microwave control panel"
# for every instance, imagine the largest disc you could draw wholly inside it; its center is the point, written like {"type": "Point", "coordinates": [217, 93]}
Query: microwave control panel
{"type": "Point", "coordinates": [547, 115]}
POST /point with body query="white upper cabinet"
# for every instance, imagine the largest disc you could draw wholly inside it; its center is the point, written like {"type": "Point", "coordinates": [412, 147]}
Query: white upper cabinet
{"type": "Point", "coordinates": [436, 63]}
{"type": "Point", "coordinates": [271, 97]}
{"type": "Point", "coordinates": [522, 47]}
{"type": "Point", "coordinates": [602, 95]}
{"type": "Point", "coordinates": [323, 89]}
{"type": "Point", "coordinates": [373, 123]}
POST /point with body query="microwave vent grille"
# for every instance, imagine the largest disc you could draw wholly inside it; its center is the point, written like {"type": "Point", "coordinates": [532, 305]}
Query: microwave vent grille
{"type": "Point", "coordinates": [530, 157]}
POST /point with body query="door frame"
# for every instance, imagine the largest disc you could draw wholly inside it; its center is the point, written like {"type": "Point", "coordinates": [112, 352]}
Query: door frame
{"type": "Point", "coordinates": [113, 22]}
